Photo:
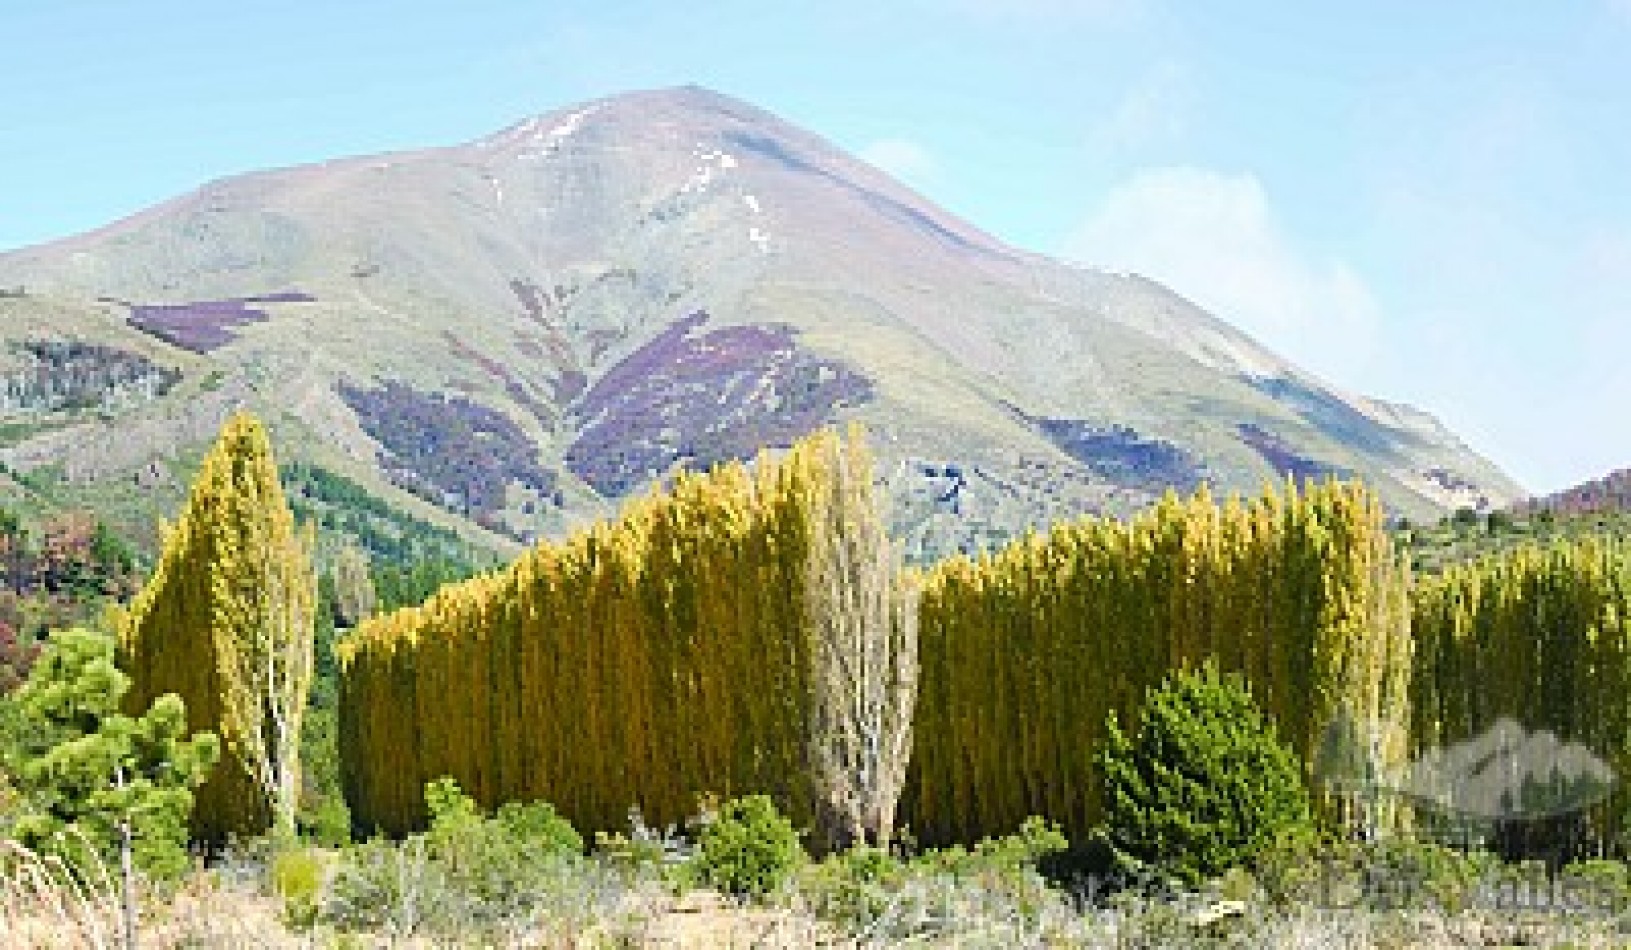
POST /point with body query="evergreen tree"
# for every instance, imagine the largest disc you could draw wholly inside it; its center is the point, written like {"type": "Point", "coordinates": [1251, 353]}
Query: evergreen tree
{"type": "Point", "coordinates": [1202, 784]}
{"type": "Point", "coordinates": [86, 772]}
{"type": "Point", "coordinates": [226, 622]}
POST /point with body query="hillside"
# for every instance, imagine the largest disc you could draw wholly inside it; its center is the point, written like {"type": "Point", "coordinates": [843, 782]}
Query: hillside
{"type": "Point", "coordinates": [1598, 508]}
{"type": "Point", "coordinates": [1467, 535]}
{"type": "Point", "coordinates": [1609, 494]}
{"type": "Point", "coordinates": [507, 337]}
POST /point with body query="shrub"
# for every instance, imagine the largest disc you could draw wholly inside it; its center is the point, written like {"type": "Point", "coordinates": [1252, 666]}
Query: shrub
{"type": "Point", "coordinates": [747, 848]}
{"type": "Point", "coordinates": [379, 885]}
{"type": "Point", "coordinates": [647, 853]}
{"type": "Point", "coordinates": [1037, 840]}
{"type": "Point", "coordinates": [299, 877]}
{"type": "Point", "coordinates": [468, 873]}
{"type": "Point", "coordinates": [1202, 785]}
{"type": "Point", "coordinates": [853, 887]}
{"type": "Point", "coordinates": [1301, 868]}
{"type": "Point", "coordinates": [540, 827]}
{"type": "Point", "coordinates": [491, 859]}
{"type": "Point", "coordinates": [1599, 884]}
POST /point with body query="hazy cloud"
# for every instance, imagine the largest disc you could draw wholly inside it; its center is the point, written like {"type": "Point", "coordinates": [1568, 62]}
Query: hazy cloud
{"type": "Point", "coordinates": [1214, 238]}
{"type": "Point", "coordinates": [1051, 9]}
{"type": "Point", "coordinates": [1154, 110]}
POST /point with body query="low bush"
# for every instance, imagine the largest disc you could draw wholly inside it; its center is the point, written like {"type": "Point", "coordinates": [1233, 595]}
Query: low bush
{"type": "Point", "coordinates": [853, 888]}
{"type": "Point", "coordinates": [1025, 850]}
{"type": "Point", "coordinates": [644, 851]}
{"type": "Point", "coordinates": [299, 879]}
{"type": "Point", "coordinates": [468, 872]}
{"type": "Point", "coordinates": [1396, 873]}
{"type": "Point", "coordinates": [745, 848]}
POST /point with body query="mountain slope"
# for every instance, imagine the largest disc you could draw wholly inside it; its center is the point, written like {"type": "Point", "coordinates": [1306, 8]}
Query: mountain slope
{"type": "Point", "coordinates": [521, 330]}
{"type": "Point", "coordinates": [1611, 493]}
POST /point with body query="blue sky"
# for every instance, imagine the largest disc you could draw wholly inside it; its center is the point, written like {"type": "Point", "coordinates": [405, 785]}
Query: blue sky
{"type": "Point", "coordinates": [1424, 202]}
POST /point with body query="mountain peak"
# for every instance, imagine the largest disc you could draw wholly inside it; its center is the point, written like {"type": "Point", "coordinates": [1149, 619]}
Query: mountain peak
{"type": "Point", "coordinates": [696, 106]}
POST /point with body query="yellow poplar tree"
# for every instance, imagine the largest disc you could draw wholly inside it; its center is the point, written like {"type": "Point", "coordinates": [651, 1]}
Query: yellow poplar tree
{"type": "Point", "coordinates": [226, 622]}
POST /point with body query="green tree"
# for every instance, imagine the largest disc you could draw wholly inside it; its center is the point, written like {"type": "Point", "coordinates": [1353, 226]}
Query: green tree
{"type": "Point", "coordinates": [1202, 784]}
{"type": "Point", "coordinates": [88, 774]}
{"type": "Point", "coordinates": [226, 622]}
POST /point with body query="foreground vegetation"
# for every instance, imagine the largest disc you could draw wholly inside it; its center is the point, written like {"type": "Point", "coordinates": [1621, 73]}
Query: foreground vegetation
{"type": "Point", "coordinates": [1205, 725]}
{"type": "Point", "coordinates": [518, 879]}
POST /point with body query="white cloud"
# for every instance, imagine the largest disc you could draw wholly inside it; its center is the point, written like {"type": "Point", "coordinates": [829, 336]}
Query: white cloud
{"type": "Point", "coordinates": [1213, 238]}
{"type": "Point", "coordinates": [904, 159]}
{"type": "Point", "coordinates": [1154, 110]}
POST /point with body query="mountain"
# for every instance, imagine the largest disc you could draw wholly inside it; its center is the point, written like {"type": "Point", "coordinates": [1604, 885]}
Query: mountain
{"type": "Point", "coordinates": [1611, 493]}
{"type": "Point", "coordinates": [513, 334]}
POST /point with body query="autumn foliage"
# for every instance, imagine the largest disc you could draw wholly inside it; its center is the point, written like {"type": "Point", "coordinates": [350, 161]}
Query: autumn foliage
{"type": "Point", "coordinates": [1540, 635]}
{"type": "Point", "coordinates": [637, 664]}
{"type": "Point", "coordinates": [223, 622]}
{"type": "Point", "coordinates": [1026, 650]}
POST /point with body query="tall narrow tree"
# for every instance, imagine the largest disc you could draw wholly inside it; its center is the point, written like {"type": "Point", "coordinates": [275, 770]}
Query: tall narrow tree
{"type": "Point", "coordinates": [354, 596]}
{"type": "Point", "coordinates": [226, 622]}
{"type": "Point", "coordinates": [863, 621]}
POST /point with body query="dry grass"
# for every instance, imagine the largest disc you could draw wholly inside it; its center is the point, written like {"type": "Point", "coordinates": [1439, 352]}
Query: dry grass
{"type": "Point", "coordinates": [42, 906]}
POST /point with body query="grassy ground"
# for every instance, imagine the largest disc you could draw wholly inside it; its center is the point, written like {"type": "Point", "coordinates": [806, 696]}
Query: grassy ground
{"type": "Point", "coordinates": [244, 903]}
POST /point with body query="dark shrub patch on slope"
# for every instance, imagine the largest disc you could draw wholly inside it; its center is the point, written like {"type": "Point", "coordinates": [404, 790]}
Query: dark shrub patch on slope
{"type": "Point", "coordinates": [449, 450]}
{"type": "Point", "coordinates": [704, 398]}
{"type": "Point", "coordinates": [1327, 413]}
{"type": "Point", "coordinates": [1119, 455]}
{"type": "Point", "coordinates": [205, 325]}
{"type": "Point", "coordinates": [58, 375]}
{"type": "Point", "coordinates": [1284, 459]}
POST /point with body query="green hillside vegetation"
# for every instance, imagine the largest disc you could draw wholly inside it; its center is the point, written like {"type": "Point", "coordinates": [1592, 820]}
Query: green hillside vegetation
{"type": "Point", "coordinates": [1468, 535]}
{"type": "Point", "coordinates": [340, 507]}
{"type": "Point", "coordinates": [57, 572]}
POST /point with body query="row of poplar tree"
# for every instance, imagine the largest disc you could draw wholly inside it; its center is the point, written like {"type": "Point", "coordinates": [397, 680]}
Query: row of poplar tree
{"type": "Point", "coordinates": [751, 630]}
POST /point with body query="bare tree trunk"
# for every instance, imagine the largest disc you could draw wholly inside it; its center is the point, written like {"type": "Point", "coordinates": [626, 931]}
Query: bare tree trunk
{"type": "Point", "coordinates": [127, 869]}
{"type": "Point", "coordinates": [271, 676]}
{"type": "Point", "coordinates": [863, 617]}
